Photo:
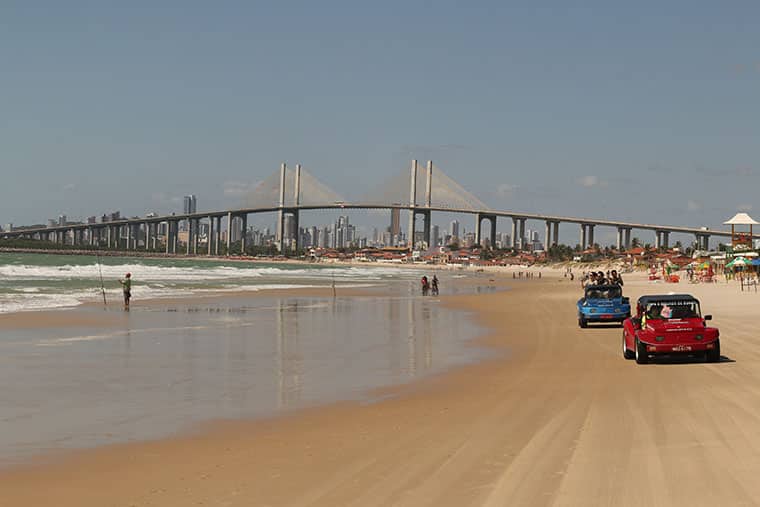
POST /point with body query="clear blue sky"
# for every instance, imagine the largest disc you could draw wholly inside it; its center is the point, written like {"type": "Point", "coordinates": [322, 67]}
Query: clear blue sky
{"type": "Point", "coordinates": [640, 111]}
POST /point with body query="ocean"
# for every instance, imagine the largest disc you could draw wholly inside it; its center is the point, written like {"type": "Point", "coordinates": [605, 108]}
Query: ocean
{"type": "Point", "coordinates": [42, 281]}
{"type": "Point", "coordinates": [116, 376]}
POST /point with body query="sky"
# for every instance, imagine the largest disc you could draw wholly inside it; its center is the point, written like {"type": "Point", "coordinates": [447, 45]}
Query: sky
{"type": "Point", "coordinates": [641, 111]}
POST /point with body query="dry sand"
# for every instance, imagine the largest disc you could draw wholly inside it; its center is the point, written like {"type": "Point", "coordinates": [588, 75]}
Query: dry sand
{"type": "Point", "coordinates": [561, 419]}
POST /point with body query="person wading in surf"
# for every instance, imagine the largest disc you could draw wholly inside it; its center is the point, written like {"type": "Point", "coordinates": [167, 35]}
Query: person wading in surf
{"type": "Point", "coordinates": [126, 285]}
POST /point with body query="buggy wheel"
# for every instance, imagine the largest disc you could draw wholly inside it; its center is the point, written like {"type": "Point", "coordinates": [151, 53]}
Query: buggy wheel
{"type": "Point", "coordinates": [627, 354]}
{"type": "Point", "coordinates": [713, 356]}
{"type": "Point", "coordinates": [582, 322]}
{"type": "Point", "coordinates": [641, 352]}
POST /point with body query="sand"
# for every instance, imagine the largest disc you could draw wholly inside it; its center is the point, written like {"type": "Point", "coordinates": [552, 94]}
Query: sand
{"type": "Point", "coordinates": [559, 419]}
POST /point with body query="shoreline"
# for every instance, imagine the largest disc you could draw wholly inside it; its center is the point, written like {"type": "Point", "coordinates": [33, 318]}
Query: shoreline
{"type": "Point", "coordinates": [560, 418]}
{"type": "Point", "coordinates": [375, 395]}
{"type": "Point", "coordinates": [99, 323]}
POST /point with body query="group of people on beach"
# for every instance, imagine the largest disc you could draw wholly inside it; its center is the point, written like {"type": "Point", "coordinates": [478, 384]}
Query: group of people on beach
{"type": "Point", "coordinates": [527, 274]}
{"type": "Point", "coordinates": [600, 278]}
{"type": "Point", "coordinates": [429, 286]}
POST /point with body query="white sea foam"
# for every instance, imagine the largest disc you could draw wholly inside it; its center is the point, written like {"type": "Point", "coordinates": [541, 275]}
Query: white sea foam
{"type": "Point", "coordinates": [147, 272]}
{"type": "Point", "coordinates": [34, 287]}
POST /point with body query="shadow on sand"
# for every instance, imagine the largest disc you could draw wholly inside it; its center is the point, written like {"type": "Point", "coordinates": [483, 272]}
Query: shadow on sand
{"type": "Point", "coordinates": [686, 359]}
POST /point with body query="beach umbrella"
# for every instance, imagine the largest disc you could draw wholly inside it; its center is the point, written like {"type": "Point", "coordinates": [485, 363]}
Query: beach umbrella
{"type": "Point", "coordinates": [756, 262]}
{"type": "Point", "coordinates": [738, 261]}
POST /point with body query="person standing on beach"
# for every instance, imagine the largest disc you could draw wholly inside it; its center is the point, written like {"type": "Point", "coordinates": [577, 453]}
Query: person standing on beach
{"type": "Point", "coordinates": [435, 285]}
{"type": "Point", "coordinates": [126, 285]}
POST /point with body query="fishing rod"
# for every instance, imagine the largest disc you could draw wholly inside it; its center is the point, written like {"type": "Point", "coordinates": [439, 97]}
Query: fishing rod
{"type": "Point", "coordinates": [102, 286]}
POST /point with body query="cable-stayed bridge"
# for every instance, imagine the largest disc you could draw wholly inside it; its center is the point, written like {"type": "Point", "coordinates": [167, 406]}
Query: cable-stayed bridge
{"type": "Point", "coordinates": [419, 194]}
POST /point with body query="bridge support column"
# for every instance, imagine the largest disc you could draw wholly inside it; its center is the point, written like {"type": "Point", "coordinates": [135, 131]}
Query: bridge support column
{"type": "Point", "coordinates": [513, 238]}
{"type": "Point", "coordinates": [229, 233]}
{"type": "Point", "coordinates": [555, 235]}
{"type": "Point", "coordinates": [619, 244]}
{"type": "Point", "coordinates": [129, 236]}
{"type": "Point", "coordinates": [412, 205]}
{"type": "Point", "coordinates": [280, 229]}
{"type": "Point", "coordinates": [296, 230]}
{"type": "Point", "coordinates": [665, 239]}
{"type": "Point", "coordinates": [296, 214]}
{"type": "Point", "coordinates": [189, 244]}
{"type": "Point", "coordinates": [522, 234]}
{"type": "Point", "coordinates": [146, 225]}
{"type": "Point", "coordinates": [175, 237]}
{"type": "Point", "coordinates": [479, 229]}
{"type": "Point", "coordinates": [493, 231]}
{"type": "Point", "coordinates": [280, 233]}
{"type": "Point", "coordinates": [657, 240]}
{"type": "Point", "coordinates": [429, 185]}
{"type": "Point", "coordinates": [591, 235]}
{"type": "Point", "coordinates": [196, 228]}
{"type": "Point", "coordinates": [210, 236]}
{"type": "Point", "coordinates": [243, 233]}
{"type": "Point", "coordinates": [548, 236]}
{"type": "Point", "coordinates": [582, 241]}
{"type": "Point", "coordinates": [218, 235]}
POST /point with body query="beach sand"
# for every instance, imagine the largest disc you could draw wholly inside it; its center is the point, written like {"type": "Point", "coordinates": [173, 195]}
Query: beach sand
{"type": "Point", "coordinates": [559, 419]}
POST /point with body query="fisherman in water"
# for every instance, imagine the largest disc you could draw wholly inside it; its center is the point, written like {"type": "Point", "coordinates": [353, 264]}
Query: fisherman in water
{"type": "Point", "coordinates": [126, 285]}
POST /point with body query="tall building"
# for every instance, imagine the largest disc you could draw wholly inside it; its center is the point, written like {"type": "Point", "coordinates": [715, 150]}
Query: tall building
{"type": "Point", "coordinates": [434, 235]}
{"type": "Point", "coordinates": [289, 229]}
{"type": "Point", "coordinates": [395, 222]}
{"type": "Point", "coordinates": [190, 204]}
{"type": "Point", "coordinates": [61, 219]}
{"type": "Point", "coordinates": [235, 235]}
{"type": "Point", "coordinates": [454, 229]}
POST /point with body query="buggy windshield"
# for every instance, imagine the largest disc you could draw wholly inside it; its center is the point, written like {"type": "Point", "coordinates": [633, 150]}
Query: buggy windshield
{"type": "Point", "coordinates": [604, 292]}
{"type": "Point", "coordinates": [673, 310]}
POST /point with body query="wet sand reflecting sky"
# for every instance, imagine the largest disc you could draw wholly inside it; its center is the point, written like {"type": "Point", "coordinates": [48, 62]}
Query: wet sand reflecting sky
{"type": "Point", "coordinates": [166, 367]}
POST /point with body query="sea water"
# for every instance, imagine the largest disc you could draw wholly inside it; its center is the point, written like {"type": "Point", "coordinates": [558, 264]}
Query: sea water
{"type": "Point", "coordinates": [164, 367]}
{"type": "Point", "coordinates": [40, 281]}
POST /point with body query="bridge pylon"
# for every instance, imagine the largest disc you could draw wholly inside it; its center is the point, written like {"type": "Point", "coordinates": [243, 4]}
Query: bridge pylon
{"type": "Point", "coordinates": [414, 210]}
{"type": "Point", "coordinates": [285, 211]}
